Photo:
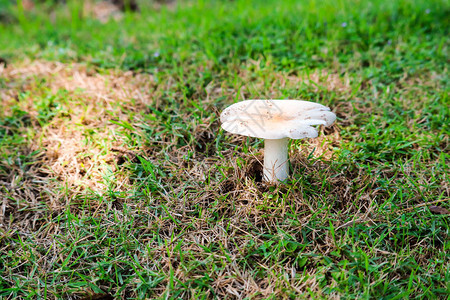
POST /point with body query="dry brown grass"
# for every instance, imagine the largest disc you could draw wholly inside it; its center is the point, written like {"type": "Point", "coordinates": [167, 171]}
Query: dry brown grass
{"type": "Point", "coordinates": [75, 162]}
{"type": "Point", "coordinates": [111, 87]}
{"type": "Point", "coordinates": [102, 11]}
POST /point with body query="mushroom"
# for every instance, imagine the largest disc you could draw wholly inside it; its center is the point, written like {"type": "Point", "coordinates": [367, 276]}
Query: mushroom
{"type": "Point", "coordinates": [276, 121]}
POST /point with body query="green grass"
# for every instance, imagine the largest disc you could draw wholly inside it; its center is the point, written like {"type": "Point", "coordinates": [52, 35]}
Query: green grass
{"type": "Point", "coordinates": [140, 194]}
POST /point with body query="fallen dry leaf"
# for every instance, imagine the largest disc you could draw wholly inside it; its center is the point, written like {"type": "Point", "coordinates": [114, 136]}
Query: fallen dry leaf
{"type": "Point", "coordinates": [439, 210]}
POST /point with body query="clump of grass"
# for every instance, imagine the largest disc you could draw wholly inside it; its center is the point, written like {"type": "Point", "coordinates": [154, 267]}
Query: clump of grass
{"type": "Point", "coordinates": [115, 177]}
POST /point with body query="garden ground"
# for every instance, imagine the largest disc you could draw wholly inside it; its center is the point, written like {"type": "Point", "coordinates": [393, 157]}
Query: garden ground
{"type": "Point", "coordinates": [116, 179]}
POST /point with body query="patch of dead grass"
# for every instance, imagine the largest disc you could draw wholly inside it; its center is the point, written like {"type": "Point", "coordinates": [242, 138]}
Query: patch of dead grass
{"type": "Point", "coordinates": [111, 87]}
{"type": "Point", "coordinates": [102, 11]}
{"type": "Point", "coordinates": [76, 144]}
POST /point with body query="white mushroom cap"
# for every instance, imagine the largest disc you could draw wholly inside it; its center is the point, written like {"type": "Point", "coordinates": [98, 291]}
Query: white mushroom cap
{"type": "Point", "coordinates": [276, 119]}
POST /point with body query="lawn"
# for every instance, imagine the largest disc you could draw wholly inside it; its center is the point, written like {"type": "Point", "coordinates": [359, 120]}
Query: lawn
{"type": "Point", "coordinates": [117, 181]}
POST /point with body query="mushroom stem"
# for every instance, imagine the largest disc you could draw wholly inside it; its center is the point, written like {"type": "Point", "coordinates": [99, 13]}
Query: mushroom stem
{"type": "Point", "coordinates": [276, 165]}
